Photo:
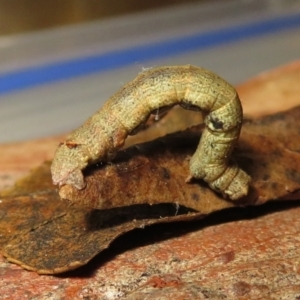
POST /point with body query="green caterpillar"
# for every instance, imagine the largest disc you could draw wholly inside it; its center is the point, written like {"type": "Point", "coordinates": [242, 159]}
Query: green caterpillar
{"type": "Point", "coordinates": [103, 134]}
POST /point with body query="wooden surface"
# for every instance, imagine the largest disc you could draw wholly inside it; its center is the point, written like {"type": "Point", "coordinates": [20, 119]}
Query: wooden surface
{"type": "Point", "coordinates": [250, 253]}
{"type": "Point", "coordinates": [37, 15]}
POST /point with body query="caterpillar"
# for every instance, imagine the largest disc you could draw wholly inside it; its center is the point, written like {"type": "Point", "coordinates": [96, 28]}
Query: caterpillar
{"type": "Point", "coordinates": [152, 91]}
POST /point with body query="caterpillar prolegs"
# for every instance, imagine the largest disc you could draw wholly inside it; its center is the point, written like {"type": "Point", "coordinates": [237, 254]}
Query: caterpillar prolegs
{"type": "Point", "coordinates": [103, 134]}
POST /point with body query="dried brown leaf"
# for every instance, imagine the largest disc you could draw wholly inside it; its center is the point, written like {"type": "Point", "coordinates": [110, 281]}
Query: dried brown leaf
{"type": "Point", "coordinates": [155, 172]}
{"type": "Point", "coordinates": [61, 236]}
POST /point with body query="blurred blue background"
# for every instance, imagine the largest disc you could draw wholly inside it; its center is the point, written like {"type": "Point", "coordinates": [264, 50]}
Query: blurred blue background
{"type": "Point", "coordinates": [61, 60]}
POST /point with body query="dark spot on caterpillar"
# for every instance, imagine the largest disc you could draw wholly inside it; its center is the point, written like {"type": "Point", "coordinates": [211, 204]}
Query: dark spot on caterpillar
{"type": "Point", "coordinates": [187, 105]}
{"type": "Point", "coordinates": [71, 145]}
{"type": "Point", "coordinates": [217, 124]}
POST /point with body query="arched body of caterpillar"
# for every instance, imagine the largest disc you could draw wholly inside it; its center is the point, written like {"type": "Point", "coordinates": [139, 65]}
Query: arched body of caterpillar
{"type": "Point", "coordinates": [103, 134]}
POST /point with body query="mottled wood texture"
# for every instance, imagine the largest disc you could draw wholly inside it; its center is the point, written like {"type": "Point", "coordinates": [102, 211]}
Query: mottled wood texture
{"type": "Point", "coordinates": [238, 254]}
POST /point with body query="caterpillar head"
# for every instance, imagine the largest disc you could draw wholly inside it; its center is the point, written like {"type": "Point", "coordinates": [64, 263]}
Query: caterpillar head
{"type": "Point", "coordinates": [67, 165]}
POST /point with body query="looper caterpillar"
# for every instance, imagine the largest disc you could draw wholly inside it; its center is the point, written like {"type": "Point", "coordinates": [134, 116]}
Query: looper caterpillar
{"type": "Point", "coordinates": [103, 134]}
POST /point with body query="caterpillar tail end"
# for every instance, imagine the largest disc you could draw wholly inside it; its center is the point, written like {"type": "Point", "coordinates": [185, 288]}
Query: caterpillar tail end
{"type": "Point", "coordinates": [239, 186]}
{"type": "Point", "coordinates": [233, 183]}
